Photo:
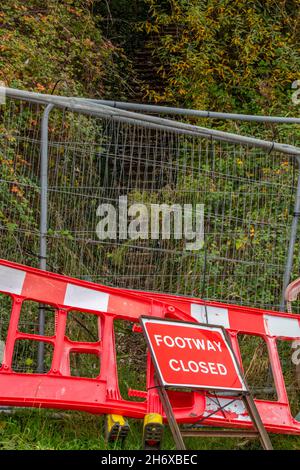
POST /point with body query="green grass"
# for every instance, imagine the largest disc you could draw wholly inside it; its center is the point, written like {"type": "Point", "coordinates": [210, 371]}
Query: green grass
{"type": "Point", "coordinates": [36, 429]}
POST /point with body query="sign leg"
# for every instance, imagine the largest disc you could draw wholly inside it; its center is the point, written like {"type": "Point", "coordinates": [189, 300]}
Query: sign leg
{"type": "Point", "coordinates": [171, 418]}
{"type": "Point", "coordinates": [256, 419]}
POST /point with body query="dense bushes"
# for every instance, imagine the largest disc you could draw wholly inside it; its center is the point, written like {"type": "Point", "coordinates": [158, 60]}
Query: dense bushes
{"type": "Point", "coordinates": [223, 54]}
{"type": "Point", "coordinates": [45, 41]}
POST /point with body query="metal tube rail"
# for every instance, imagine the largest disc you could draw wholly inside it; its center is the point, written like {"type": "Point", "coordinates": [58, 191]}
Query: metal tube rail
{"type": "Point", "coordinates": [39, 97]}
{"type": "Point", "coordinates": [150, 108]}
{"type": "Point", "coordinates": [90, 107]}
{"type": "Point", "coordinates": [43, 222]}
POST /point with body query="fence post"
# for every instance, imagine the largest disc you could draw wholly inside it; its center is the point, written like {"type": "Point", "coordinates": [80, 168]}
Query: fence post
{"type": "Point", "coordinates": [43, 222]}
{"type": "Point", "coordinates": [293, 235]}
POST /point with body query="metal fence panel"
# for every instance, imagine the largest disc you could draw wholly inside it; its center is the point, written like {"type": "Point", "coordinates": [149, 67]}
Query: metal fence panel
{"type": "Point", "coordinates": [248, 195]}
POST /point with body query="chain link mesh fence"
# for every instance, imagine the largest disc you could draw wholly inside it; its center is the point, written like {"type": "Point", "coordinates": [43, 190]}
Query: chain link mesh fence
{"type": "Point", "coordinates": [248, 195]}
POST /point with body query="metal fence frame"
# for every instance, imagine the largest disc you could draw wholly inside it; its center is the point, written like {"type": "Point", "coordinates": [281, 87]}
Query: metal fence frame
{"type": "Point", "coordinates": [126, 112]}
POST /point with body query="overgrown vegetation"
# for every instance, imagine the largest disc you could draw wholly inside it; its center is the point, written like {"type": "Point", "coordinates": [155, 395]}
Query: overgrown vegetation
{"type": "Point", "coordinates": [228, 55]}
{"type": "Point", "coordinates": [43, 42]}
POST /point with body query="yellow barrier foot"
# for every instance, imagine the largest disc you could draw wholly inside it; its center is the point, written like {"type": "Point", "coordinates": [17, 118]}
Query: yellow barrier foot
{"type": "Point", "coordinates": [152, 431]}
{"type": "Point", "coordinates": [116, 428]}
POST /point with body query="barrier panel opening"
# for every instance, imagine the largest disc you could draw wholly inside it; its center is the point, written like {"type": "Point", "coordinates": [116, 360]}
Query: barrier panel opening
{"type": "Point", "coordinates": [290, 366]}
{"type": "Point", "coordinates": [131, 353]}
{"type": "Point", "coordinates": [26, 354]}
{"type": "Point", "coordinates": [29, 318]}
{"type": "Point", "coordinates": [5, 309]}
{"type": "Point", "coordinates": [84, 365]}
{"type": "Point", "coordinates": [257, 367]}
{"type": "Point", "coordinates": [82, 326]}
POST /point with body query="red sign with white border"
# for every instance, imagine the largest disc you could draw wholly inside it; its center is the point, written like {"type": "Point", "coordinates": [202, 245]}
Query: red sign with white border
{"type": "Point", "coordinates": [192, 355]}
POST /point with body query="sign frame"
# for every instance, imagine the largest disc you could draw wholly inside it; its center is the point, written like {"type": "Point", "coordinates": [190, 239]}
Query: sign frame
{"type": "Point", "coordinates": [245, 393]}
{"type": "Point", "coordinates": [203, 326]}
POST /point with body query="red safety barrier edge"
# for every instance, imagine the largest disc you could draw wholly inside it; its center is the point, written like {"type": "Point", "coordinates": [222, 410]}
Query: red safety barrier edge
{"type": "Point", "coordinates": [101, 395]}
{"type": "Point", "coordinates": [57, 388]}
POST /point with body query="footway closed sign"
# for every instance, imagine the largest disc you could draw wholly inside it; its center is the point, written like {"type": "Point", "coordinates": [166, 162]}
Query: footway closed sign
{"type": "Point", "coordinates": [192, 355]}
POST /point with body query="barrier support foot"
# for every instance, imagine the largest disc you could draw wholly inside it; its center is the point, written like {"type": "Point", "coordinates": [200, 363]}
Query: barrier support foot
{"type": "Point", "coordinates": [116, 428]}
{"type": "Point", "coordinates": [152, 431]}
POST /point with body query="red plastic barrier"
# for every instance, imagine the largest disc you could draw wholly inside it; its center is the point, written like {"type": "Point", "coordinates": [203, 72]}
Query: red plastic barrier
{"type": "Point", "coordinates": [292, 293]}
{"type": "Point", "coordinates": [269, 325]}
{"type": "Point", "coordinates": [58, 389]}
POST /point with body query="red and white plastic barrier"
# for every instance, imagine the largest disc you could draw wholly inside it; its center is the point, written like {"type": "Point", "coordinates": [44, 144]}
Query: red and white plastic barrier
{"type": "Point", "coordinates": [58, 389]}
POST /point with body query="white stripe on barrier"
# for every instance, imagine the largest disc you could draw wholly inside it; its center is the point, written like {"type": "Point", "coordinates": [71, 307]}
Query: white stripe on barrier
{"type": "Point", "coordinates": [211, 315]}
{"type": "Point", "coordinates": [82, 297]}
{"type": "Point", "coordinates": [278, 326]}
{"type": "Point", "coordinates": [11, 280]}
